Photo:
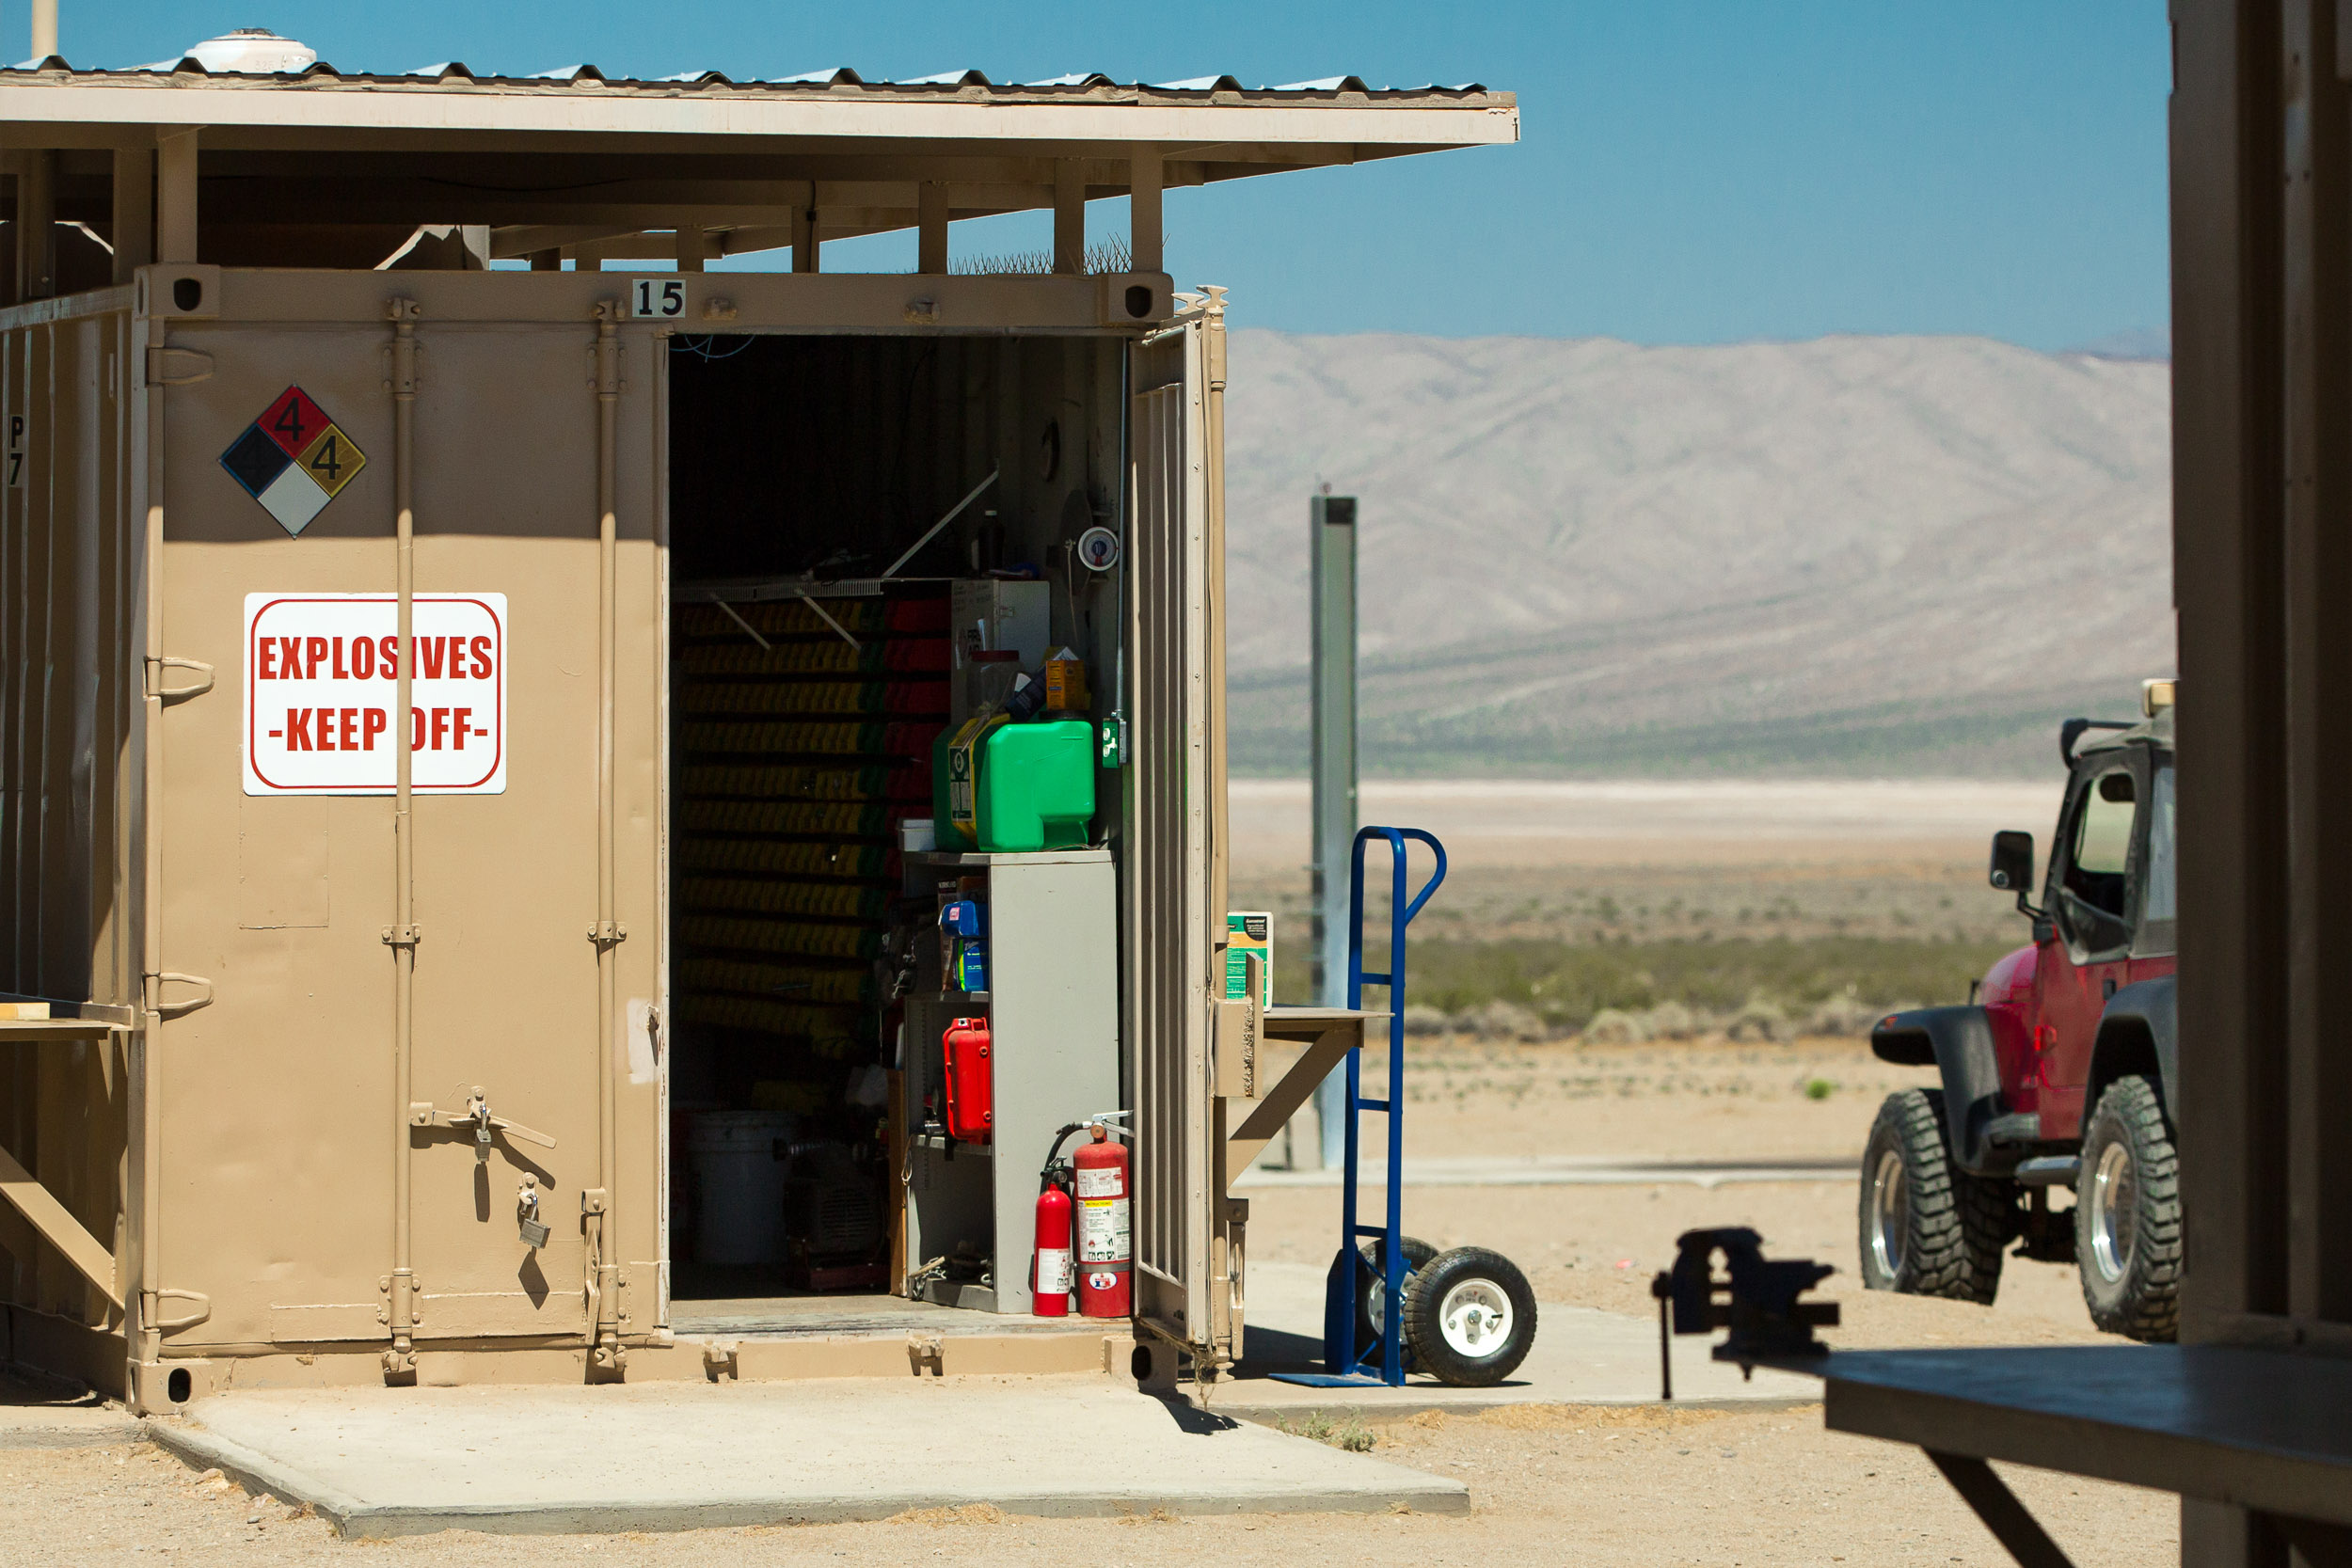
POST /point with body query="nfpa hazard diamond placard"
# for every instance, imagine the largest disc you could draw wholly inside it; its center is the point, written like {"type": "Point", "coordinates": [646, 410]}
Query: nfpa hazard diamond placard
{"type": "Point", "coordinates": [321, 672]}
{"type": "Point", "coordinates": [293, 460]}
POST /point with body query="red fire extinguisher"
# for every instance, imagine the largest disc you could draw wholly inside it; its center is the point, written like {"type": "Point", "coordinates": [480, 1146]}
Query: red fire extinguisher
{"type": "Point", "coordinates": [1105, 1232]}
{"type": "Point", "coordinates": [1049, 1274]}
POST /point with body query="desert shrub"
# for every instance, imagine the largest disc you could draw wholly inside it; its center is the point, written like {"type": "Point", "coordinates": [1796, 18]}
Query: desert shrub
{"type": "Point", "coordinates": [1615, 1026]}
{"type": "Point", "coordinates": [1845, 1014]}
{"type": "Point", "coordinates": [1507, 1021]}
{"type": "Point", "coordinates": [1421, 1019]}
{"type": "Point", "coordinates": [1671, 1021]}
{"type": "Point", "coordinates": [1762, 1020]}
{"type": "Point", "coordinates": [1571, 983]}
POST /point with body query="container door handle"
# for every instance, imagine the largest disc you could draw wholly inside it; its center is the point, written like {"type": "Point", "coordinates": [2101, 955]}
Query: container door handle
{"type": "Point", "coordinates": [177, 367]}
{"type": "Point", "coordinates": [155, 687]}
{"type": "Point", "coordinates": [173, 977]}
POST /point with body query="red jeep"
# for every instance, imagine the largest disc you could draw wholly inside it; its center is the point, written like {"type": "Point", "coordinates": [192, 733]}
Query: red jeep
{"type": "Point", "coordinates": [2059, 1073]}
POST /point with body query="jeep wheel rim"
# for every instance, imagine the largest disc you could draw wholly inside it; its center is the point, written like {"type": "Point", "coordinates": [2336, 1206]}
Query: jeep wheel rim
{"type": "Point", "coordinates": [1475, 1319]}
{"type": "Point", "coordinates": [1890, 1214]}
{"type": "Point", "coordinates": [2114, 1212]}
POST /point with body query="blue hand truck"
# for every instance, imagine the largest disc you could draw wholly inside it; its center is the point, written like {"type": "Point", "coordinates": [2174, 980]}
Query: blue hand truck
{"type": "Point", "coordinates": [1384, 1362]}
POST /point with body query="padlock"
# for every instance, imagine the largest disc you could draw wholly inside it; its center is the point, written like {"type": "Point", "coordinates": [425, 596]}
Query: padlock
{"type": "Point", "coordinates": [535, 1234]}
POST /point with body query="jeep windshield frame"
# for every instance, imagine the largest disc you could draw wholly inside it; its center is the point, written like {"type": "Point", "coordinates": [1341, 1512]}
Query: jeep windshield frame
{"type": "Point", "coordinates": [2142, 928]}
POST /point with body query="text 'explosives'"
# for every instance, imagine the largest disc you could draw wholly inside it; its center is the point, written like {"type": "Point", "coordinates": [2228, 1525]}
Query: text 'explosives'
{"type": "Point", "coordinates": [319, 694]}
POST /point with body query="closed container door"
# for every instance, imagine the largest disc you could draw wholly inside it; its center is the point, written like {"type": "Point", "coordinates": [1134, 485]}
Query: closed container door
{"type": "Point", "coordinates": [285, 1124]}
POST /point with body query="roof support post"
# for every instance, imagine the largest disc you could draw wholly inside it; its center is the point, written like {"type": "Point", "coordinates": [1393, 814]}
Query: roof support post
{"type": "Point", "coordinates": [804, 235]}
{"type": "Point", "coordinates": [1070, 215]}
{"type": "Point", "coordinates": [931, 224]}
{"type": "Point", "coordinates": [36, 227]}
{"type": "Point", "coordinates": [175, 195]}
{"type": "Point", "coordinates": [693, 246]}
{"type": "Point", "coordinates": [1143, 212]}
{"type": "Point", "coordinates": [134, 210]}
{"type": "Point", "coordinates": [546, 260]}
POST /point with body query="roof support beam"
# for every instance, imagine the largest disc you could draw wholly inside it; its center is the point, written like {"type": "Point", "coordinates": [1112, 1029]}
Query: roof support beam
{"type": "Point", "coordinates": [175, 195]}
{"type": "Point", "coordinates": [1069, 217]}
{"type": "Point", "coordinates": [1143, 211]}
{"type": "Point", "coordinates": [805, 237]}
{"type": "Point", "coordinates": [134, 198]}
{"type": "Point", "coordinates": [36, 228]}
{"type": "Point", "coordinates": [931, 223]}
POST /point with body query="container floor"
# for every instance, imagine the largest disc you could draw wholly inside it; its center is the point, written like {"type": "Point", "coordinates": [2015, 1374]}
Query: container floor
{"type": "Point", "coordinates": [728, 1302]}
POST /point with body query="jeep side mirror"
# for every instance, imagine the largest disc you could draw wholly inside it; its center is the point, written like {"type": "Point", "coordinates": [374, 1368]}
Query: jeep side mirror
{"type": "Point", "coordinates": [2012, 863]}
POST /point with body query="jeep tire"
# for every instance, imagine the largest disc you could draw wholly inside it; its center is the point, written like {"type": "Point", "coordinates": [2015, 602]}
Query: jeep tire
{"type": "Point", "coordinates": [2128, 1214]}
{"type": "Point", "coordinates": [1928, 1228]}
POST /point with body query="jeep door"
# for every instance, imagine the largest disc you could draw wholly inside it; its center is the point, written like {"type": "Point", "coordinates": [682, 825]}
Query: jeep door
{"type": "Point", "coordinates": [2089, 899]}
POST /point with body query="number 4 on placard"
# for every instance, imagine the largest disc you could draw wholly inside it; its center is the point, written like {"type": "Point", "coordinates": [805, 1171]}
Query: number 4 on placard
{"type": "Point", "coordinates": [657, 296]}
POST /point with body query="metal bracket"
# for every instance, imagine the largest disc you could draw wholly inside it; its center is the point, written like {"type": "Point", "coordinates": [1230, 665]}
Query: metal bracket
{"type": "Point", "coordinates": [609, 933]}
{"type": "Point", "coordinates": [401, 936]}
{"type": "Point", "coordinates": [160, 366]}
{"type": "Point", "coordinates": [173, 977]}
{"type": "Point", "coordinates": [150, 1309]}
{"type": "Point", "coordinates": [156, 689]}
{"type": "Point", "coordinates": [416, 1301]}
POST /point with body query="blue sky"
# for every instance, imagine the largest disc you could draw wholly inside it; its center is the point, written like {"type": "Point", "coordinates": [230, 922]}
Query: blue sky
{"type": "Point", "coordinates": [1693, 171]}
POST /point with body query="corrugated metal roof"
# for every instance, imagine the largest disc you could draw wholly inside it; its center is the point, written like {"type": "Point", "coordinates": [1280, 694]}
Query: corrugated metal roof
{"type": "Point", "coordinates": [448, 73]}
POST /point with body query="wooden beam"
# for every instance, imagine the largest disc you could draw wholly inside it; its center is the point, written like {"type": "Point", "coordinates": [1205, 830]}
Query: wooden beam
{"type": "Point", "coordinates": [931, 223]}
{"type": "Point", "coordinates": [527, 239]}
{"type": "Point", "coordinates": [1143, 212]}
{"type": "Point", "coordinates": [804, 238]}
{"type": "Point", "coordinates": [1069, 217]}
{"type": "Point", "coordinates": [134, 198]}
{"type": "Point", "coordinates": [91, 1260]}
{"type": "Point", "coordinates": [175, 197]}
{"type": "Point", "coordinates": [36, 227]}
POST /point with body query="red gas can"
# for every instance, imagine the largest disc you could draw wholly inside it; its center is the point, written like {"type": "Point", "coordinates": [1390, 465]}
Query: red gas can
{"type": "Point", "coordinates": [970, 1081]}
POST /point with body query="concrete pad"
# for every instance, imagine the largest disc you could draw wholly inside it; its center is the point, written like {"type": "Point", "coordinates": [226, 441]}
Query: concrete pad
{"type": "Point", "coordinates": [668, 1456]}
{"type": "Point", "coordinates": [1582, 1355]}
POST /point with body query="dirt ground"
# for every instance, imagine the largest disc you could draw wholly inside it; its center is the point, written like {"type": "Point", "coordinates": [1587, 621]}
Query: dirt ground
{"type": "Point", "coordinates": [1551, 1484]}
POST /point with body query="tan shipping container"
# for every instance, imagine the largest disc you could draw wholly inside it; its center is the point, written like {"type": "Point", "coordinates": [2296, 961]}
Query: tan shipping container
{"type": "Point", "coordinates": [307, 1021]}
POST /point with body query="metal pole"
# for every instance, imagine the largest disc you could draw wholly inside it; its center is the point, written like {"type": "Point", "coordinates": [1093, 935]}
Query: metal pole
{"type": "Point", "coordinates": [1332, 572]}
{"type": "Point", "coordinates": [45, 28]}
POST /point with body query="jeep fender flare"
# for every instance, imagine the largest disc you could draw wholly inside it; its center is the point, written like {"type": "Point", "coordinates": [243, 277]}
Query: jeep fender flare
{"type": "Point", "coordinates": [2138, 1033]}
{"type": "Point", "coordinates": [1959, 1041]}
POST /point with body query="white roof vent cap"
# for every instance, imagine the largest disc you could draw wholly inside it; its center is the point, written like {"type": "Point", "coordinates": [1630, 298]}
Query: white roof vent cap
{"type": "Point", "coordinates": [254, 52]}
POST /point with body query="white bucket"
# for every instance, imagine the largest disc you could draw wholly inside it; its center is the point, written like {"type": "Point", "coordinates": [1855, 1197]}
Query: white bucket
{"type": "Point", "coordinates": [739, 1166]}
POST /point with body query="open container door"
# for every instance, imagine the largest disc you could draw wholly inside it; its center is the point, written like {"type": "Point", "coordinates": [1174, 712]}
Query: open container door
{"type": "Point", "coordinates": [1174, 892]}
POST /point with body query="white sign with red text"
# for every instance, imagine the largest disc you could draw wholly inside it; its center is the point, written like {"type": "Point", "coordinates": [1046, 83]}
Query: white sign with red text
{"type": "Point", "coordinates": [319, 694]}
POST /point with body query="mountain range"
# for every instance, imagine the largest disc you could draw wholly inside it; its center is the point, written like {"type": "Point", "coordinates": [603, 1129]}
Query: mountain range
{"type": "Point", "coordinates": [1855, 555]}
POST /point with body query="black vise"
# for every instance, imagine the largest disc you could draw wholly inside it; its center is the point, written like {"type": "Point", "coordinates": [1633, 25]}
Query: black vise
{"type": "Point", "coordinates": [1758, 1302]}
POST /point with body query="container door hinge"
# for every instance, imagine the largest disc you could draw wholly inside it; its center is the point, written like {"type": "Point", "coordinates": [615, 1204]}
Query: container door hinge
{"type": "Point", "coordinates": [156, 982]}
{"type": "Point", "coordinates": [608, 933]}
{"type": "Point", "coordinates": [176, 367]}
{"type": "Point", "coordinates": [152, 1316]}
{"type": "Point", "coordinates": [197, 688]}
{"type": "Point", "coordinates": [401, 936]}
